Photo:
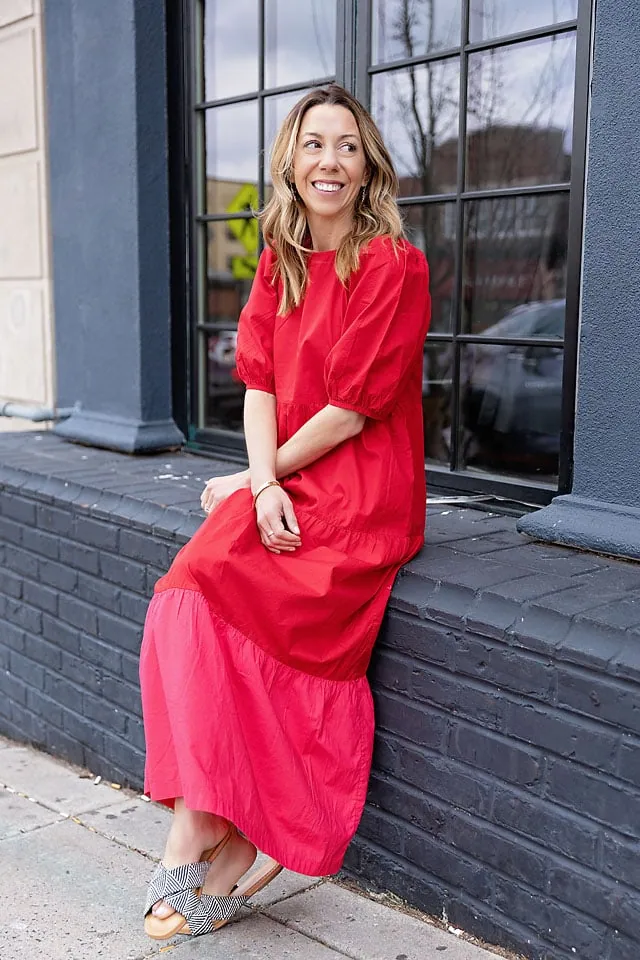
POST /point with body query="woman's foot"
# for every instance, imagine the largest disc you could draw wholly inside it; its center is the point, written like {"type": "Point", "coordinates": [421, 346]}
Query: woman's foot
{"type": "Point", "coordinates": [237, 856]}
{"type": "Point", "coordinates": [192, 833]}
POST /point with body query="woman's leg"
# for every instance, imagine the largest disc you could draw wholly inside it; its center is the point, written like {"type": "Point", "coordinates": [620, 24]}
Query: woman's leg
{"type": "Point", "coordinates": [191, 833]}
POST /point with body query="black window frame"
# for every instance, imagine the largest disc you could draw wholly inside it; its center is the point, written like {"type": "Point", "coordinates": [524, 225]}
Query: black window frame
{"type": "Point", "coordinates": [354, 70]}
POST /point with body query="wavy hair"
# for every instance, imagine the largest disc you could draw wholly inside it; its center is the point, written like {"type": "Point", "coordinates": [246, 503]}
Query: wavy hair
{"type": "Point", "coordinates": [284, 221]}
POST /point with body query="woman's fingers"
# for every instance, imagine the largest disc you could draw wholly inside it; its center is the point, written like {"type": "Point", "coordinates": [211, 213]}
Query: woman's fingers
{"type": "Point", "coordinates": [207, 498]}
{"type": "Point", "coordinates": [277, 522]}
{"type": "Point", "coordinates": [285, 540]}
{"type": "Point", "coordinates": [290, 518]}
{"type": "Point", "coordinates": [267, 540]}
{"type": "Point", "coordinates": [278, 542]}
{"type": "Point", "coordinates": [276, 531]}
{"type": "Point", "coordinates": [274, 534]}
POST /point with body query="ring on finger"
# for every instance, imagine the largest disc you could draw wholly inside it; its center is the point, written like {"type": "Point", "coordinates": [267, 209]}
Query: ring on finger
{"type": "Point", "coordinates": [271, 534]}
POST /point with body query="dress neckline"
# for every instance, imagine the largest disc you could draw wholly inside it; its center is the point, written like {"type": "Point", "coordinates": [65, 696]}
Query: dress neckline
{"type": "Point", "coordinates": [322, 254]}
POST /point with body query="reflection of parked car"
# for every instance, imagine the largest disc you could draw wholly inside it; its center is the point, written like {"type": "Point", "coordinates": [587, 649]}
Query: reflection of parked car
{"type": "Point", "coordinates": [225, 392]}
{"type": "Point", "coordinates": [513, 394]}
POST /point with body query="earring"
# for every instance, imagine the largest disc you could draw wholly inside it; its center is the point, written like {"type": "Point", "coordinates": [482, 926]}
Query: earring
{"type": "Point", "coordinates": [363, 193]}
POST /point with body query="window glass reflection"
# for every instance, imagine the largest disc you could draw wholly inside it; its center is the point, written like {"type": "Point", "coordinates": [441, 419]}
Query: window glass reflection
{"type": "Point", "coordinates": [230, 271]}
{"type": "Point", "coordinates": [515, 253]}
{"type": "Point", "coordinates": [230, 48]}
{"type": "Point", "coordinates": [232, 158]}
{"type": "Point", "coordinates": [411, 28]}
{"type": "Point", "coordinates": [511, 400]}
{"type": "Point", "coordinates": [520, 113]}
{"type": "Point", "coordinates": [275, 110]}
{"type": "Point", "coordinates": [300, 40]}
{"type": "Point", "coordinates": [499, 18]}
{"type": "Point", "coordinates": [437, 388]}
{"type": "Point", "coordinates": [425, 227]}
{"type": "Point", "coordinates": [416, 110]}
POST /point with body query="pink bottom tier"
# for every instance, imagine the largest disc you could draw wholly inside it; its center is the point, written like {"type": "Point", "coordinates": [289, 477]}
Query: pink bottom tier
{"type": "Point", "coordinates": [284, 755]}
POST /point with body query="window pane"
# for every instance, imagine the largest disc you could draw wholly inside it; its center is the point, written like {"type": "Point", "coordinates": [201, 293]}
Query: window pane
{"type": "Point", "coordinates": [511, 408]}
{"type": "Point", "coordinates": [403, 29]}
{"type": "Point", "coordinates": [416, 110]}
{"type": "Point", "coordinates": [300, 40]}
{"type": "Point", "coordinates": [275, 110]}
{"type": "Point", "coordinates": [230, 48]}
{"type": "Point", "coordinates": [437, 375]}
{"type": "Point", "coordinates": [515, 253]}
{"type": "Point", "coordinates": [498, 18]}
{"type": "Point", "coordinates": [520, 113]}
{"type": "Point", "coordinates": [431, 228]}
{"type": "Point", "coordinates": [230, 271]}
{"type": "Point", "coordinates": [232, 158]}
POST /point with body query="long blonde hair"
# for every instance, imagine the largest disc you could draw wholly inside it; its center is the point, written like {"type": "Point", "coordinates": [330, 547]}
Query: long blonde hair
{"type": "Point", "coordinates": [284, 221]}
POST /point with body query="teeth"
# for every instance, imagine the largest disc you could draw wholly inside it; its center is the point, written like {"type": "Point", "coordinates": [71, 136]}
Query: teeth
{"type": "Point", "coordinates": [328, 187]}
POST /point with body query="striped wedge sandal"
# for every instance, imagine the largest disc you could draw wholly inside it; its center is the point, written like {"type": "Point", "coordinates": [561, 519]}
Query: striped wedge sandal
{"type": "Point", "coordinates": [169, 884]}
{"type": "Point", "coordinates": [200, 913]}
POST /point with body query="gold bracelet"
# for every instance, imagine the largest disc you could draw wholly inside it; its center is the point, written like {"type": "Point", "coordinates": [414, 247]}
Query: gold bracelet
{"type": "Point", "coordinates": [263, 487]}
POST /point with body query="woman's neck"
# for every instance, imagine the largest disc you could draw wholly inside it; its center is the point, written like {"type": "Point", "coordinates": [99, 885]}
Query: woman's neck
{"type": "Point", "coordinates": [328, 234]}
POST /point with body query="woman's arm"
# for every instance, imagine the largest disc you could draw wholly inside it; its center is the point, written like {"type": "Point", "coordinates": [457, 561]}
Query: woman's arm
{"type": "Point", "coordinates": [261, 436]}
{"type": "Point", "coordinates": [276, 519]}
{"type": "Point", "coordinates": [275, 515]}
{"type": "Point", "coordinates": [320, 434]}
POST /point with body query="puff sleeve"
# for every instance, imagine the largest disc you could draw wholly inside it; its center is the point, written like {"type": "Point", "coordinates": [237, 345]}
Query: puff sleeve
{"type": "Point", "coordinates": [254, 349]}
{"type": "Point", "coordinates": [385, 325]}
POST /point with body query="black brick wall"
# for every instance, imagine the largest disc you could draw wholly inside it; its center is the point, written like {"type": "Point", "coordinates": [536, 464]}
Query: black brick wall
{"type": "Point", "coordinates": [73, 596]}
{"type": "Point", "coordinates": [505, 794]}
{"type": "Point", "coordinates": [498, 802]}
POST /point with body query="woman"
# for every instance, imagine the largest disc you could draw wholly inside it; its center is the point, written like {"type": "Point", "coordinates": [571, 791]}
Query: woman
{"type": "Point", "coordinates": [258, 715]}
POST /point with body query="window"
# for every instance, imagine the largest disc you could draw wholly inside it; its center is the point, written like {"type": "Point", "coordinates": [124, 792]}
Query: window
{"type": "Point", "coordinates": [476, 100]}
{"type": "Point", "coordinates": [249, 61]}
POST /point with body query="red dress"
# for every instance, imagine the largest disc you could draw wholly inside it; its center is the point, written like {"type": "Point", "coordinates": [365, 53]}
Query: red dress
{"type": "Point", "coordinates": [256, 704]}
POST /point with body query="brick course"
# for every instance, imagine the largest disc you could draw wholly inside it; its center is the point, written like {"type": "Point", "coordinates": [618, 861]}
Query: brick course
{"type": "Point", "coordinates": [505, 793]}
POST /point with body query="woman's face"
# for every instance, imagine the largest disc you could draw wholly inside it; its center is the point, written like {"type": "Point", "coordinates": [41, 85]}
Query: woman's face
{"type": "Point", "coordinates": [329, 164]}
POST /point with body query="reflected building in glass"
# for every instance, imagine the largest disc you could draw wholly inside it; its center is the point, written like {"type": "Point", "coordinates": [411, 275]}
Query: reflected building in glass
{"type": "Point", "coordinates": [480, 126]}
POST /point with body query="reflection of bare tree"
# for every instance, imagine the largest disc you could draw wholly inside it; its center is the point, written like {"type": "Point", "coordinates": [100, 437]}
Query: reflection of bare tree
{"type": "Point", "coordinates": [323, 43]}
{"type": "Point", "coordinates": [425, 114]}
{"type": "Point", "coordinates": [530, 151]}
{"type": "Point", "coordinates": [514, 247]}
{"type": "Point", "coordinates": [427, 105]}
{"type": "Point", "coordinates": [427, 108]}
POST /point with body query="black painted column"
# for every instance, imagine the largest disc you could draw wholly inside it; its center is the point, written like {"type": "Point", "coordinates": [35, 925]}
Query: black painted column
{"type": "Point", "coordinates": [603, 511]}
{"type": "Point", "coordinates": [107, 127]}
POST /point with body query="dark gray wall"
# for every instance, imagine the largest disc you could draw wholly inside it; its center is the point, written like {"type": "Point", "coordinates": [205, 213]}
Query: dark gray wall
{"type": "Point", "coordinates": [607, 448]}
{"type": "Point", "coordinates": [601, 512]}
{"type": "Point", "coordinates": [107, 124]}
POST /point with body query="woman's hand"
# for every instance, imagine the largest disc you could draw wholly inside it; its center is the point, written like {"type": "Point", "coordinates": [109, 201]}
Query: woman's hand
{"type": "Point", "coordinates": [277, 524]}
{"type": "Point", "coordinates": [219, 488]}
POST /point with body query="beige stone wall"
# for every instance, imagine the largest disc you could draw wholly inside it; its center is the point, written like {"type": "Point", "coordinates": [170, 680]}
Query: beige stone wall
{"type": "Point", "coordinates": [26, 335]}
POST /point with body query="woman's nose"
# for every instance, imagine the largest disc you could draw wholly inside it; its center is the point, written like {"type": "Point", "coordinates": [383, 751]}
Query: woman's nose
{"type": "Point", "coordinates": [329, 160]}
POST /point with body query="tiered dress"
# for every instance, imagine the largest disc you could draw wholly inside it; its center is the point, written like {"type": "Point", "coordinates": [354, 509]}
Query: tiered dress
{"type": "Point", "coordinates": [256, 704]}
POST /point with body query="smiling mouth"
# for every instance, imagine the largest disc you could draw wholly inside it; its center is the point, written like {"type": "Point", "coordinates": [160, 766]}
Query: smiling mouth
{"type": "Point", "coordinates": [327, 186]}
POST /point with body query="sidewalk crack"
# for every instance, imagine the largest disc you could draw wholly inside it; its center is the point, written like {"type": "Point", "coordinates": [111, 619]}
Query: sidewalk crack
{"type": "Point", "coordinates": [290, 925]}
{"type": "Point", "coordinates": [288, 896]}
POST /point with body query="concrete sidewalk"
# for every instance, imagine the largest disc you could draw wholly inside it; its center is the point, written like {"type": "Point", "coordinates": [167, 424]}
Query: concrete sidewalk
{"type": "Point", "coordinates": [76, 857]}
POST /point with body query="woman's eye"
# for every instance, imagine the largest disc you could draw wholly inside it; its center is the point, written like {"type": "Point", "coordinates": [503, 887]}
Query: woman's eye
{"type": "Point", "coordinates": [350, 147]}
{"type": "Point", "coordinates": [312, 143]}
